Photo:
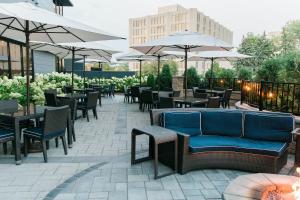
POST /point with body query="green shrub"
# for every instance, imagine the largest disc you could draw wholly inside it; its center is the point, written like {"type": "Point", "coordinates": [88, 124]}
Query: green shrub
{"type": "Point", "coordinates": [165, 79]}
{"type": "Point", "coordinates": [193, 79]}
{"type": "Point", "coordinates": [244, 74]}
{"type": "Point", "coordinates": [151, 81]}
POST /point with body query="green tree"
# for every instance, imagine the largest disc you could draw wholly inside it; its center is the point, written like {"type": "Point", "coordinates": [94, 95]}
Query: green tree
{"type": "Point", "coordinates": [149, 68]}
{"type": "Point", "coordinates": [151, 81]}
{"type": "Point", "coordinates": [193, 79]}
{"type": "Point", "coordinates": [290, 67]}
{"type": "Point", "coordinates": [244, 74]}
{"type": "Point", "coordinates": [173, 66]}
{"type": "Point", "coordinates": [227, 73]}
{"type": "Point", "coordinates": [257, 46]}
{"type": "Point", "coordinates": [270, 70]}
{"type": "Point", "coordinates": [165, 78]}
{"type": "Point", "coordinates": [216, 71]}
{"type": "Point", "coordinates": [291, 37]}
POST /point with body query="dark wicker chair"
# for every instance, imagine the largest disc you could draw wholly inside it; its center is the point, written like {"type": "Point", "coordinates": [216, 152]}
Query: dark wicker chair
{"type": "Point", "coordinates": [225, 100]}
{"type": "Point", "coordinates": [165, 102]}
{"type": "Point", "coordinates": [89, 104]}
{"type": "Point", "coordinates": [68, 89]}
{"type": "Point", "coordinates": [72, 103]}
{"type": "Point", "coordinates": [135, 93]}
{"type": "Point", "coordinates": [51, 99]}
{"type": "Point", "coordinates": [98, 89]}
{"type": "Point", "coordinates": [176, 93]}
{"type": "Point", "coordinates": [127, 94]}
{"type": "Point", "coordinates": [200, 95]}
{"type": "Point", "coordinates": [213, 102]}
{"type": "Point", "coordinates": [54, 126]}
{"type": "Point", "coordinates": [147, 100]}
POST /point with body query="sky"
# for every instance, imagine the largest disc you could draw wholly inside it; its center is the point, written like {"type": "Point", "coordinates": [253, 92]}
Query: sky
{"type": "Point", "coordinates": [240, 16]}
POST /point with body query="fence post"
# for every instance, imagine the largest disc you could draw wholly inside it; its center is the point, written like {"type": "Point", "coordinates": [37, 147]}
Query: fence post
{"type": "Point", "coordinates": [242, 92]}
{"type": "Point", "coordinates": [261, 103]}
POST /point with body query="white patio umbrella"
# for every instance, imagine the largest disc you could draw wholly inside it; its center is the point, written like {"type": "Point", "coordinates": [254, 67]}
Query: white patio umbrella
{"type": "Point", "coordinates": [24, 22]}
{"type": "Point", "coordinates": [71, 50]}
{"type": "Point", "coordinates": [185, 41]}
{"type": "Point", "coordinates": [158, 56]}
{"type": "Point", "coordinates": [217, 55]}
{"type": "Point", "coordinates": [135, 56]}
{"type": "Point", "coordinates": [91, 60]}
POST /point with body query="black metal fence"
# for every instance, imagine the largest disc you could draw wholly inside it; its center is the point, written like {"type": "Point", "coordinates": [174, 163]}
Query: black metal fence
{"type": "Point", "coordinates": [283, 97]}
{"type": "Point", "coordinates": [222, 83]}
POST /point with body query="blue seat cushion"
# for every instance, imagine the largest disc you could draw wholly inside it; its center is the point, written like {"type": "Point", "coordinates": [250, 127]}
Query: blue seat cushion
{"type": "Point", "coordinates": [183, 122]}
{"type": "Point", "coordinates": [206, 143]}
{"type": "Point", "coordinates": [268, 126]}
{"type": "Point", "coordinates": [6, 134]}
{"type": "Point", "coordinates": [38, 133]}
{"type": "Point", "coordinates": [224, 123]}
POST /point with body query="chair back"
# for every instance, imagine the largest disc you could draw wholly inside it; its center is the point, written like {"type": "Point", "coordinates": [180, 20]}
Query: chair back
{"type": "Point", "coordinates": [200, 95]}
{"type": "Point", "coordinates": [213, 102]}
{"type": "Point", "coordinates": [92, 98]}
{"type": "Point", "coordinates": [54, 91]}
{"type": "Point", "coordinates": [147, 96]}
{"type": "Point", "coordinates": [176, 93]}
{"type": "Point", "coordinates": [200, 90]}
{"type": "Point", "coordinates": [165, 94]}
{"type": "Point", "coordinates": [9, 106]}
{"type": "Point", "coordinates": [227, 95]}
{"type": "Point", "coordinates": [50, 99]}
{"type": "Point", "coordinates": [166, 102]}
{"type": "Point", "coordinates": [135, 91]}
{"type": "Point", "coordinates": [68, 89]}
{"type": "Point", "coordinates": [72, 103]}
{"type": "Point", "coordinates": [55, 120]}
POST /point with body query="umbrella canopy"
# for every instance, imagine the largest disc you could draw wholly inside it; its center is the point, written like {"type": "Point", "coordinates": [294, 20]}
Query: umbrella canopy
{"type": "Point", "coordinates": [217, 55]}
{"type": "Point", "coordinates": [138, 57]}
{"type": "Point", "coordinates": [24, 22]}
{"type": "Point", "coordinates": [90, 60]}
{"type": "Point", "coordinates": [44, 25]}
{"type": "Point", "coordinates": [82, 49]}
{"type": "Point", "coordinates": [185, 41]}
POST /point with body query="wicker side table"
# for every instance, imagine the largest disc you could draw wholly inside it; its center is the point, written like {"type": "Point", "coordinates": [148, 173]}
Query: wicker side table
{"type": "Point", "coordinates": [157, 136]}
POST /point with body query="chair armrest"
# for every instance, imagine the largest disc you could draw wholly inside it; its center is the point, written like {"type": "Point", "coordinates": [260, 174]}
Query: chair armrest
{"type": "Point", "coordinates": [296, 131]}
{"type": "Point", "coordinates": [183, 143]}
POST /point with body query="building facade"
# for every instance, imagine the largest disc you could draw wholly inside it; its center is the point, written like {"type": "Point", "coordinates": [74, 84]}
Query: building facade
{"type": "Point", "coordinates": [13, 52]}
{"type": "Point", "coordinates": [174, 18]}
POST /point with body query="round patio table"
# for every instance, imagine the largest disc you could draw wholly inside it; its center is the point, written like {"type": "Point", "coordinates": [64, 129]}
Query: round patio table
{"type": "Point", "coordinates": [71, 96]}
{"type": "Point", "coordinates": [189, 101]}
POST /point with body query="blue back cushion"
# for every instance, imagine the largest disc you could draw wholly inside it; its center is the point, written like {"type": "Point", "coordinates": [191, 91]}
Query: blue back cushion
{"type": "Point", "coordinates": [223, 123]}
{"type": "Point", "coordinates": [272, 127]}
{"type": "Point", "coordinates": [184, 122]}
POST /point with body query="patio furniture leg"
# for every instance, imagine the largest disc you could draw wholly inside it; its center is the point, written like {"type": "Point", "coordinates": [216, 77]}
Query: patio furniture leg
{"type": "Point", "coordinates": [73, 132]}
{"type": "Point", "coordinates": [87, 115]}
{"type": "Point", "coordinates": [5, 147]}
{"type": "Point", "coordinates": [95, 113]}
{"type": "Point", "coordinates": [70, 131]}
{"type": "Point", "coordinates": [56, 142]}
{"type": "Point", "coordinates": [133, 148]}
{"type": "Point", "coordinates": [156, 161]}
{"type": "Point", "coordinates": [44, 150]}
{"type": "Point", "coordinates": [17, 144]}
{"type": "Point", "coordinates": [26, 141]}
{"type": "Point", "coordinates": [63, 139]}
{"type": "Point", "coordinates": [297, 151]}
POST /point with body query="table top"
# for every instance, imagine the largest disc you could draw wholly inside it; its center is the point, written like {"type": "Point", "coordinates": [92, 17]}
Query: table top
{"type": "Point", "coordinates": [159, 134]}
{"type": "Point", "coordinates": [215, 91]}
{"type": "Point", "coordinates": [190, 100]}
{"type": "Point", "coordinates": [71, 96]}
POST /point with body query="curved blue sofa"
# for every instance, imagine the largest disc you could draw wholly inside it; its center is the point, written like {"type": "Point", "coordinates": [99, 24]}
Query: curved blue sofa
{"type": "Point", "coordinates": [231, 139]}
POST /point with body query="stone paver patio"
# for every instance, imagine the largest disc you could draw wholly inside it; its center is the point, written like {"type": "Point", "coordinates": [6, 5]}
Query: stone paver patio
{"type": "Point", "coordinates": [98, 166]}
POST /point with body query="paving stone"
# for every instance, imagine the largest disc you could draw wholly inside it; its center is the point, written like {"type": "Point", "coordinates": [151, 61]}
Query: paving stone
{"type": "Point", "coordinates": [159, 195]}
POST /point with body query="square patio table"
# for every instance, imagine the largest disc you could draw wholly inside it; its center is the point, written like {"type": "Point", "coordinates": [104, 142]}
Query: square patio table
{"type": "Point", "coordinates": [189, 101]}
{"type": "Point", "coordinates": [157, 136]}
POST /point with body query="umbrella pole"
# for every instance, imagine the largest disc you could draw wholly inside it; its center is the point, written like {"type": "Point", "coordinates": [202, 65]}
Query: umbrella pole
{"type": "Point", "coordinates": [185, 73]}
{"type": "Point", "coordinates": [27, 34]}
{"type": "Point", "coordinates": [211, 74]}
{"type": "Point", "coordinates": [84, 71]}
{"type": "Point", "coordinates": [73, 63]}
{"type": "Point", "coordinates": [140, 72]}
{"type": "Point", "coordinates": [158, 71]}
